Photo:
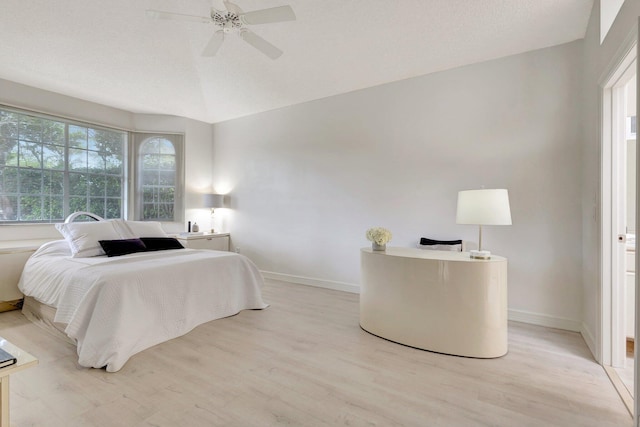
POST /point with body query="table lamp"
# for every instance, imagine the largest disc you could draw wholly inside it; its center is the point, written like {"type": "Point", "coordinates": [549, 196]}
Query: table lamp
{"type": "Point", "coordinates": [213, 201]}
{"type": "Point", "coordinates": [483, 207]}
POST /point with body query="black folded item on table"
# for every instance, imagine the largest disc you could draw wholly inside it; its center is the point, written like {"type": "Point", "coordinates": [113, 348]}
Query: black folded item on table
{"type": "Point", "coordinates": [428, 242]}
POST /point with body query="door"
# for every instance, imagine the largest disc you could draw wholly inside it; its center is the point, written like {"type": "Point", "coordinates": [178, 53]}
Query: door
{"type": "Point", "coordinates": [614, 221]}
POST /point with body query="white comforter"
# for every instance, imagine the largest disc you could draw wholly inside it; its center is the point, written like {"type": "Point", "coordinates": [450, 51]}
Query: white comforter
{"type": "Point", "coordinates": [116, 307]}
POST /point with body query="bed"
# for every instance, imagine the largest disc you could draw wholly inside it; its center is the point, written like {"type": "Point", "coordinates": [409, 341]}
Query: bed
{"type": "Point", "coordinates": [112, 307]}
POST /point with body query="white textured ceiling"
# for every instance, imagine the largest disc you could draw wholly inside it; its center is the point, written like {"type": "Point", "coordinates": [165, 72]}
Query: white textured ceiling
{"type": "Point", "coordinates": [109, 52]}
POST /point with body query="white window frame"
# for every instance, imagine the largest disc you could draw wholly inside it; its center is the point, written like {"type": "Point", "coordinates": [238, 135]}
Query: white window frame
{"type": "Point", "coordinates": [66, 195]}
{"type": "Point", "coordinates": [136, 200]}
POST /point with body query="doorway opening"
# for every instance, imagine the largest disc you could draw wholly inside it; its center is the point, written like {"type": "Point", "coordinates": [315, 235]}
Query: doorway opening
{"type": "Point", "coordinates": [625, 370]}
{"type": "Point", "coordinates": [619, 226]}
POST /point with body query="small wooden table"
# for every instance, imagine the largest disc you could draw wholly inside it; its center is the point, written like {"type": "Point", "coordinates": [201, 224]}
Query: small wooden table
{"type": "Point", "coordinates": [25, 360]}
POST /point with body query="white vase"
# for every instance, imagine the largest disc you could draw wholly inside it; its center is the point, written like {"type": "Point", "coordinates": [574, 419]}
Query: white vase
{"type": "Point", "coordinates": [377, 247]}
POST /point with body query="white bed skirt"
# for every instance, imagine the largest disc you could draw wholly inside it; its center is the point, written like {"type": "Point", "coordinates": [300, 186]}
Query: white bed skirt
{"type": "Point", "coordinates": [42, 315]}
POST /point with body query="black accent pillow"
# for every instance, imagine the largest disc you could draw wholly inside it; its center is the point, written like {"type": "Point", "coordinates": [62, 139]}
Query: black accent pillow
{"type": "Point", "coordinates": [122, 247]}
{"type": "Point", "coordinates": [161, 243]}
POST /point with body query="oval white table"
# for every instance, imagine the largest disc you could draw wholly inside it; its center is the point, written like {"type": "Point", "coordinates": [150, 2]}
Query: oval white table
{"type": "Point", "coordinates": [439, 301]}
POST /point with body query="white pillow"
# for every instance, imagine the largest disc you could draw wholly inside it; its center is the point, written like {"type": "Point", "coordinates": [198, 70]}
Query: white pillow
{"type": "Point", "coordinates": [83, 237]}
{"type": "Point", "coordinates": [139, 229]}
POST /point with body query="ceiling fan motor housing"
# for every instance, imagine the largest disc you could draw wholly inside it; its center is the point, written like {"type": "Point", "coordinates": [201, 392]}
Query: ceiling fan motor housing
{"type": "Point", "coordinates": [226, 20]}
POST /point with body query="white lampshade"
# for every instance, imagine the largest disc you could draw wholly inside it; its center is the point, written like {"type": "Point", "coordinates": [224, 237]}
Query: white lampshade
{"type": "Point", "coordinates": [483, 207]}
{"type": "Point", "coordinates": [213, 200]}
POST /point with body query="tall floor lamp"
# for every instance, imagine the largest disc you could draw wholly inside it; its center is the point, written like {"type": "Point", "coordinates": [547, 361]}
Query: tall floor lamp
{"type": "Point", "coordinates": [213, 201]}
{"type": "Point", "coordinates": [483, 207]}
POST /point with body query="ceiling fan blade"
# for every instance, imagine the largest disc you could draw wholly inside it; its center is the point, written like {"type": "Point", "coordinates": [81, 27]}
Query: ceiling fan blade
{"type": "Point", "coordinates": [214, 44]}
{"type": "Point", "coordinates": [267, 16]}
{"type": "Point", "coordinates": [233, 8]}
{"type": "Point", "coordinates": [158, 14]}
{"type": "Point", "coordinates": [261, 44]}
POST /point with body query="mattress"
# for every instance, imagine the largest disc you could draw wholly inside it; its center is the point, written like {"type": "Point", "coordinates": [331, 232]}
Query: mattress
{"type": "Point", "coordinates": [115, 307]}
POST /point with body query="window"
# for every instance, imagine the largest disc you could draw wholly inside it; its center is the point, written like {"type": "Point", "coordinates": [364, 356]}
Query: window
{"type": "Point", "coordinates": [50, 167]}
{"type": "Point", "coordinates": [158, 177]}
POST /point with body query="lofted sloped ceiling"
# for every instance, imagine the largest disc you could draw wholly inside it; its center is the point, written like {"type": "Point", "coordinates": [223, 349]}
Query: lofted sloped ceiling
{"type": "Point", "coordinates": [111, 53]}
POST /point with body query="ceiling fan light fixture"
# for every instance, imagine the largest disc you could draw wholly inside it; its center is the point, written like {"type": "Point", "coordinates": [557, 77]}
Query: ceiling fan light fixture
{"type": "Point", "coordinates": [226, 20]}
{"type": "Point", "coordinates": [235, 19]}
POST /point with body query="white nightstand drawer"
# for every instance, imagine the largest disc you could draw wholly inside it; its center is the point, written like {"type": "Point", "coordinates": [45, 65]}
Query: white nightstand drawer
{"type": "Point", "coordinates": [216, 242]}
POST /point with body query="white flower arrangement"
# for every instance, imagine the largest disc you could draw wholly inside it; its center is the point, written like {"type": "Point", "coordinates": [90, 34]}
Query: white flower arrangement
{"type": "Point", "coordinates": [379, 235]}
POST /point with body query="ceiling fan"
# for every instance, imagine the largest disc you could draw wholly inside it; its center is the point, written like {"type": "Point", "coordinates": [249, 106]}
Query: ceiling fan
{"type": "Point", "coordinates": [235, 19]}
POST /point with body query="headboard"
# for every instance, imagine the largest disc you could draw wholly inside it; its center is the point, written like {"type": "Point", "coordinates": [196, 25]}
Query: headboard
{"type": "Point", "coordinates": [75, 215]}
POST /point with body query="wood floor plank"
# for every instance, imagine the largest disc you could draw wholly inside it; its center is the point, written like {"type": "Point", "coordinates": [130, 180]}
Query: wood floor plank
{"type": "Point", "coordinates": [304, 361]}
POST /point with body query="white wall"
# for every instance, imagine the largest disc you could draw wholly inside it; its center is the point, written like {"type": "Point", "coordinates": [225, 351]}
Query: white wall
{"type": "Point", "coordinates": [608, 11]}
{"type": "Point", "coordinates": [307, 181]}
{"type": "Point", "coordinates": [198, 136]}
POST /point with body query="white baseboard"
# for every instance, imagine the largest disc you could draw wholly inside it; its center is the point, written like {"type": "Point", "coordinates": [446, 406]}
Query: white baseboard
{"type": "Point", "coordinates": [544, 320]}
{"type": "Point", "coordinates": [588, 338]}
{"type": "Point", "coordinates": [515, 315]}
{"type": "Point", "coordinates": [309, 281]}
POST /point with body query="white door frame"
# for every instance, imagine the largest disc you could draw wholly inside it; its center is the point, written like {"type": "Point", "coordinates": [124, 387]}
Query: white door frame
{"type": "Point", "coordinates": [611, 308]}
{"type": "Point", "coordinates": [613, 181]}
{"type": "Point", "coordinates": [636, 357]}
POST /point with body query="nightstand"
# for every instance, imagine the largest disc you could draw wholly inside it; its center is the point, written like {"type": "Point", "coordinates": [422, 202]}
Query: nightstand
{"type": "Point", "coordinates": [13, 256]}
{"type": "Point", "coordinates": [211, 241]}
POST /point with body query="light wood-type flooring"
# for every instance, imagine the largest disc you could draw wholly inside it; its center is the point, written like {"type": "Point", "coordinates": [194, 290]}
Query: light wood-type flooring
{"type": "Point", "coordinates": [304, 361]}
{"type": "Point", "coordinates": [626, 373]}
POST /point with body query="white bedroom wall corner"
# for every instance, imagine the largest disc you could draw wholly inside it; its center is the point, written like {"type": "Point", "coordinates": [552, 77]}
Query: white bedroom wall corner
{"type": "Point", "coordinates": [197, 161]}
{"type": "Point", "coordinates": [198, 173]}
{"type": "Point", "coordinates": [308, 177]}
{"type": "Point", "coordinates": [590, 340]}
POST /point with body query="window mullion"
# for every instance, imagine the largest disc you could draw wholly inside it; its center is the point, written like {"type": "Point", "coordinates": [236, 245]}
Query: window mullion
{"type": "Point", "coordinates": [66, 182]}
{"type": "Point", "coordinates": [42, 212]}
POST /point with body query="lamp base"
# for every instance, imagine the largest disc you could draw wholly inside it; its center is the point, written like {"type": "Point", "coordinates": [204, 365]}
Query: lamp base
{"type": "Point", "coordinates": [475, 254]}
